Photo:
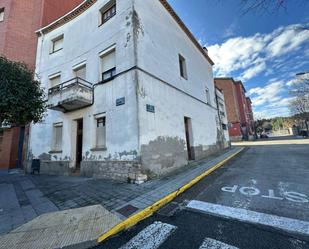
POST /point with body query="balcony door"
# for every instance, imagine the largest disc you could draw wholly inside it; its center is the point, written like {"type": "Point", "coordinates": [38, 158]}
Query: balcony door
{"type": "Point", "coordinates": [79, 143]}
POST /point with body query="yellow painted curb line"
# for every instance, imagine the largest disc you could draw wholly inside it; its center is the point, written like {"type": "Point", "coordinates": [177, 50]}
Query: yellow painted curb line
{"type": "Point", "coordinates": [134, 219]}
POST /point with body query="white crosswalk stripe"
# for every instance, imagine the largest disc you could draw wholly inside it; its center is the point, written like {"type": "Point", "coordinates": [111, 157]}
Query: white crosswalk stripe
{"type": "Point", "coordinates": [215, 244]}
{"type": "Point", "coordinates": [151, 237]}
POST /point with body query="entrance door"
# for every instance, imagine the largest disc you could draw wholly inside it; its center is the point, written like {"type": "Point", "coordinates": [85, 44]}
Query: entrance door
{"type": "Point", "coordinates": [79, 143]}
{"type": "Point", "coordinates": [188, 138]}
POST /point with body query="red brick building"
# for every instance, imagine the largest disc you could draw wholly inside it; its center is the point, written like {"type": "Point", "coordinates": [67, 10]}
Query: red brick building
{"type": "Point", "coordinates": [19, 19]}
{"type": "Point", "coordinates": [239, 109]}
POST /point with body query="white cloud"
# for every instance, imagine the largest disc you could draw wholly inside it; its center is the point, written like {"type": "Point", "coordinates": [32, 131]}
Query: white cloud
{"type": "Point", "coordinates": [251, 54]}
{"type": "Point", "coordinates": [253, 71]}
{"type": "Point", "coordinates": [267, 94]}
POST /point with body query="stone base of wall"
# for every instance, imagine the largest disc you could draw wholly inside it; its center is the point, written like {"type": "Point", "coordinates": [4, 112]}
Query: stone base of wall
{"type": "Point", "coordinates": [61, 168]}
{"type": "Point", "coordinates": [125, 171]}
{"type": "Point", "coordinates": [202, 152]}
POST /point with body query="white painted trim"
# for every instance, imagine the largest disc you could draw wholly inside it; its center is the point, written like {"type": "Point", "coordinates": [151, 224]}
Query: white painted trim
{"type": "Point", "coordinates": [100, 115]}
{"type": "Point", "coordinates": [79, 65]}
{"type": "Point", "coordinates": [59, 124]}
{"type": "Point", "coordinates": [54, 75]}
{"type": "Point", "coordinates": [107, 50]}
{"type": "Point", "coordinates": [282, 223]}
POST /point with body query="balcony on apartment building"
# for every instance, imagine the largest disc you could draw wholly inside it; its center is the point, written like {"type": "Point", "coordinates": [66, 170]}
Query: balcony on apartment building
{"type": "Point", "coordinates": [71, 95]}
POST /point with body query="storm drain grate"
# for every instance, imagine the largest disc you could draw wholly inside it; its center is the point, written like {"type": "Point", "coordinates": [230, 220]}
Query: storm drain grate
{"type": "Point", "coordinates": [127, 210]}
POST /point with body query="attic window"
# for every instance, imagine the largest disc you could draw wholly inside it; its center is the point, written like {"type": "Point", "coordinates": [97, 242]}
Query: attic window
{"type": "Point", "coordinates": [108, 11]}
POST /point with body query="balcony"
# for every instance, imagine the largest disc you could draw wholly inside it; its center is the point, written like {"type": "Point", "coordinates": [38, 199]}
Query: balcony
{"type": "Point", "coordinates": [71, 95]}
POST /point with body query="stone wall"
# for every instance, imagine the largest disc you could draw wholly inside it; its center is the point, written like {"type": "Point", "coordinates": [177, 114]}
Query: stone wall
{"type": "Point", "coordinates": [52, 168]}
{"type": "Point", "coordinates": [125, 171]}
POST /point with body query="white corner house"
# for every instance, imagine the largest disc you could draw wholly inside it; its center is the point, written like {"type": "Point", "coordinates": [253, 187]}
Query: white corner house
{"type": "Point", "coordinates": [130, 93]}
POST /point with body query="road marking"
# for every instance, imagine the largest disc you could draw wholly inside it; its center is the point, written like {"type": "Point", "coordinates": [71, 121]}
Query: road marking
{"type": "Point", "coordinates": [151, 237]}
{"type": "Point", "coordinates": [253, 191]}
{"type": "Point", "coordinates": [282, 223]}
{"type": "Point", "coordinates": [215, 244]}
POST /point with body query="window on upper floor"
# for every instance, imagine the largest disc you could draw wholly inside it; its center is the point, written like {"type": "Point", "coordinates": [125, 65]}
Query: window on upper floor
{"type": "Point", "coordinates": [80, 71]}
{"type": "Point", "coordinates": [108, 11]}
{"type": "Point", "coordinates": [108, 65]}
{"type": "Point", "coordinates": [1, 14]}
{"type": "Point", "coordinates": [57, 44]}
{"type": "Point", "coordinates": [57, 137]}
{"type": "Point", "coordinates": [54, 80]}
{"type": "Point", "coordinates": [183, 67]}
{"type": "Point", "coordinates": [207, 96]}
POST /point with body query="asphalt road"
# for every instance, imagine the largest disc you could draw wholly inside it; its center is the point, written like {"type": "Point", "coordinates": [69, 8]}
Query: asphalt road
{"type": "Point", "coordinates": [261, 200]}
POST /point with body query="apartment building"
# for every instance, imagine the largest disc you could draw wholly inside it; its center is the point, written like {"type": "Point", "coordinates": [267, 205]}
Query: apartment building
{"type": "Point", "coordinates": [130, 92]}
{"type": "Point", "coordinates": [222, 119]}
{"type": "Point", "coordinates": [239, 109]}
{"type": "Point", "coordinates": [19, 19]}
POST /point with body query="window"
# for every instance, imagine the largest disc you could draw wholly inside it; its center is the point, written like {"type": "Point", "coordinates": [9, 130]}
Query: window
{"type": "Point", "coordinates": [224, 127]}
{"type": "Point", "coordinates": [207, 96]}
{"type": "Point", "coordinates": [54, 80]}
{"type": "Point", "coordinates": [57, 143]}
{"type": "Point", "coordinates": [57, 44]}
{"type": "Point", "coordinates": [183, 67]}
{"type": "Point", "coordinates": [108, 65]}
{"type": "Point", "coordinates": [101, 133]}
{"type": "Point", "coordinates": [108, 11]}
{"type": "Point", "coordinates": [80, 72]}
{"type": "Point", "coordinates": [1, 14]}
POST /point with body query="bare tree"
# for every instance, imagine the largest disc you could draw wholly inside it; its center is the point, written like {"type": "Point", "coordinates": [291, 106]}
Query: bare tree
{"type": "Point", "coordinates": [299, 106]}
{"type": "Point", "coordinates": [270, 6]}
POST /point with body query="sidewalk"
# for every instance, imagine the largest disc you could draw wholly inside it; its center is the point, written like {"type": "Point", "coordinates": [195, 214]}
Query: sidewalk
{"type": "Point", "coordinates": [55, 212]}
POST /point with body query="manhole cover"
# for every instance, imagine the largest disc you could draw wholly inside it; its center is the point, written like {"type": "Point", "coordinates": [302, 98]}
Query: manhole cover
{"type": "Point", "coordinates": [127, 210]}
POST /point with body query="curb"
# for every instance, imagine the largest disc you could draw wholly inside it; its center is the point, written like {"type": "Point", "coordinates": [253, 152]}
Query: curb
{"type": "Point", "coordinates": [145, 213]}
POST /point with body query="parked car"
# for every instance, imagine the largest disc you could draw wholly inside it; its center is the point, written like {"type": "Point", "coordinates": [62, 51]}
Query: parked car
{"type": "Point", "coordinates": [263, 135]}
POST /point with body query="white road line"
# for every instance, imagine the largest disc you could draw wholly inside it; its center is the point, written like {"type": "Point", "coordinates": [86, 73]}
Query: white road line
{"type": "Point", "coordinates": [282, 223]}
{"type": "Point", "coordinates": [215, 244]}
{"type": "Point", "coordinates": [151, 237]}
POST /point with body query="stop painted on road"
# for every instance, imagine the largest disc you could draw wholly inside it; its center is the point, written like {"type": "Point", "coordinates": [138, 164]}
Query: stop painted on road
{"type": "Point", "coordinates": [250, 191]}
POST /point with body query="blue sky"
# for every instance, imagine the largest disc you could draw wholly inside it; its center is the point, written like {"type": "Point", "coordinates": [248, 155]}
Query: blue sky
{"type": "Point", "coordinates": [264, 50]}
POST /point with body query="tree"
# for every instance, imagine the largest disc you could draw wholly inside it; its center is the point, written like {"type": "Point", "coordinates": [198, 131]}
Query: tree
{"type": "Point", "coordinates": [21, 98]}
{"type": "Point", "coordinates": [272, 6]}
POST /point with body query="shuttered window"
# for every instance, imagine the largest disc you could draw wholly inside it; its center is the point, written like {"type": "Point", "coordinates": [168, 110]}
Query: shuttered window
{"type": "Point", "coordinates": [108, 65]}
{"type": "Point", "coordinates": [54, 80]}
{"type": "Point", "coordinates": [101, 133]}
{"type": "Point", "coordinates": [57, 145]}
{"type": "Point", "coordinates": [81, 72]}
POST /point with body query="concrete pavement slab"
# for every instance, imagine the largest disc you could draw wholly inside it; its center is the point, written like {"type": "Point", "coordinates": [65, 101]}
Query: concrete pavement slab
{"type": "Point", "coordinates": [62, 228]}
